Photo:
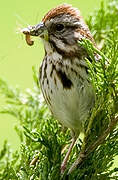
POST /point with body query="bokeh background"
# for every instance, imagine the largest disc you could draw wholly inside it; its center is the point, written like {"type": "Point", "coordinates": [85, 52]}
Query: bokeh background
{"type": "Point", "coordinates": [16, 57]}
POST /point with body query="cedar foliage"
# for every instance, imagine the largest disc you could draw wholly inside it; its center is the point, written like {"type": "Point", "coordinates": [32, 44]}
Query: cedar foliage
{"type": "Point", "coordinates": [41, 136]}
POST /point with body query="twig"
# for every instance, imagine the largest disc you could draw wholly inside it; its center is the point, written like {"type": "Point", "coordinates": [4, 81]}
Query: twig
{"type": "Point", "coordinates": [84, 153]}
{"type": "Point", "coordinates": [103, 136]}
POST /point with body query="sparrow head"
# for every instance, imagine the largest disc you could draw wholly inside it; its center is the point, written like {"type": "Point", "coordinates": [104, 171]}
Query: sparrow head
{"type": "Point", "coordinates": [61, 27]}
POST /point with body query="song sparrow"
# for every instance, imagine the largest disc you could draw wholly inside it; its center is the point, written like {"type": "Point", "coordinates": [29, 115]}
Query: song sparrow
{"type": "Point", "coordinates": [64, 77]}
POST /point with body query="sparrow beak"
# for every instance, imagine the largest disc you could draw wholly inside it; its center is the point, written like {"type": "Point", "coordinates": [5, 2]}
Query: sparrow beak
{"type": "Point", "coordinates": [37, 30]}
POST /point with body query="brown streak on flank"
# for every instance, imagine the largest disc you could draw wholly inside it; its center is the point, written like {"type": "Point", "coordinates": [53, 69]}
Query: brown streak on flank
{"type": "Point", "coordinates": [47, 82]}
{"type": "Point", "coordinates": [40, 72]}
{"type": "Point", "coordinates": [47, 98]}
{"type": "Point", "coordinates": [55, 81]}
{"type": "Point", "coordinates": [45, 68]}
{"type": "Point", "coordinates": [62, 9]}
{"type": "Point", "coordinates": [44, 77]}
{"type": "Point", "coordinates": [53, 68]}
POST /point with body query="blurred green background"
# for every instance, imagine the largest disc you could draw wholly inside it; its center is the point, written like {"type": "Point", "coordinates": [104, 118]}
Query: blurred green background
{"type": "Point", "coordinates": [16, 57]}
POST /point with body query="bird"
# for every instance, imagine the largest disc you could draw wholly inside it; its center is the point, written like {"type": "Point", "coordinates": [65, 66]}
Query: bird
{"type": "Point", "coordinates": [64, 76]}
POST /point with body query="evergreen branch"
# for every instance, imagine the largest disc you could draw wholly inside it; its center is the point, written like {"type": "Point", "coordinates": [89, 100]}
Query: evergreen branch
{"type": "Point", "coordinates": [85, 152]}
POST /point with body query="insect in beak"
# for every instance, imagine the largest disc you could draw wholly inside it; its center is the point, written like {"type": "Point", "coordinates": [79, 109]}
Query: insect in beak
{"type": "Point", "coordinates": [37, 30]}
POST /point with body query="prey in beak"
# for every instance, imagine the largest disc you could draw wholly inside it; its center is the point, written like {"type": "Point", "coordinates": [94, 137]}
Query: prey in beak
{"type": "Point", "coordinates": [37, 30]}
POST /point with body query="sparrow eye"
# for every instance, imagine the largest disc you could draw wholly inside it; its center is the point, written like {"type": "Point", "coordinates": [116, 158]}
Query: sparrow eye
{"type": "Point", "coordinates": [59, 27]}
